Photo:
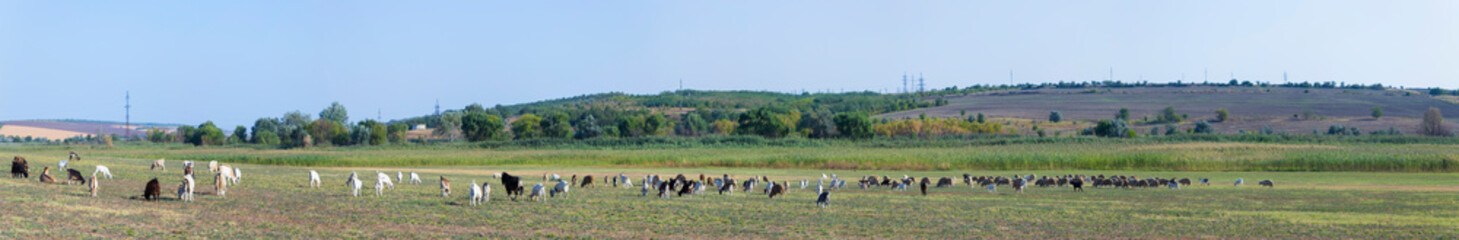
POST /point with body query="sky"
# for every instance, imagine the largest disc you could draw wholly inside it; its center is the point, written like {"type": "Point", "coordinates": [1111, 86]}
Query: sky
{"type": "Point", "coordinates": [235, 61]}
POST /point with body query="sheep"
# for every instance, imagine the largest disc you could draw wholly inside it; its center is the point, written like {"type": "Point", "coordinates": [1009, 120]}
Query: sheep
{"type": "Point", "coordinates": [513, 185]}
{"type": "Point", "coordinates": [46, 175]}
{"type": "Point", "coordinates": [93, 185]}
{"type": "Point", "coordinates": [153, 190]}
{"type": "Point", "coordinates": [381, 181]}
{"type": "Point", "coordinates": [74, 176]}
{"type": "Point", "coordinates": [212, 166]}
{"type": "Point", "coordinates": [475, 197]}
{"type": "Point", "coordinates": [220, 183]}
{"type": "Point", "coordinates": [414, 178]}
{"type": "Point", "coordinates": [185, 190]}
{"type": "Point", "coordinates": [446, 187]}
{"type": "Point", "coordinates": [354, 182]}
{"type": "Point", "coordinates": [1238, 182]}
{"type": "Point", "coordinates": [537, 193]}
{"type": "Point", "coordinates": [19, 168]}
{"type": "Point", "coordinates": [823, 199]}
{"type": "Point", "coordinates": [587, 180]}
{"type": "Point", "coordinates": [486, 192]}
{"type": "Point", "coordinates": [314, 181]}
{"type": "Point", "coordinates": [1266, 183]}
{"type": "Point", "coordinates": [103, 170]}
{"type": "Point", "coordinates": [561, 187]}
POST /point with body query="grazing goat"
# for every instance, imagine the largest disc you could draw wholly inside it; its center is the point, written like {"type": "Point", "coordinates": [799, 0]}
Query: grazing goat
{"type": "Point", "coordinates": [485, 192]}
{"type": "Point", "coordinates": [625, 181]}
{"type": "Point", "coordinates": [777, 189]}
{"type": "Point", "coordinates": [314, 181]}
{"type": "Point", "coordinates": [475, 197]}
{"type": "Point", "coordinates": [399, 176]}
{"type": "Point", "coordinates": [728, 186]}
{"type": "Point", "coordinates": [227, 173]}
{"type": "Point", "coordinates": [381, 181]}
{"type": "Point", "coordinates": [513, 185]}
{"type": "Point", "coordinates": [686, 189]}
{"type": "Point", "coordinates": [1238, 182]}
{"type": "Point", "coordinates": [237, 175]}
{"type": "Point", "coordinates": [354, 183]}
{"type": "Point", "coordinates": [414, 178]}
{"type": "Point", "coordinates": [220, 183]}
{"type": "Point", "coordinates": [587, 180]}
{"type": "Point", "coordinates": [153, 190]}
{"type": "Point", "coordinates": [560, 188]}
{"type": "Point", "coordinates": [93, 185]}
{"type": "Point", "coordinates": [159, 163]}
{"type": "Point", "coordinates": [103, 170]}
{"type": "Point", "coordinates": [824, 199]}
{"type": "Point", "coordinates": [212, 166]}
{"type": "Point", "coordinates": [61, 165]}
{"type": "Point", "coordinates": [924, 188]}
{"type": "Point", "coordinates": [74, 176]}
{"type": "Point", "coordinates": [446, 187]}
{"type": "Point", "coordinates": [19, 168]}
{"type": "Point", "coordinates": [1018, 185]}
{"type": "Point", "coordinates": [185, 191]}
{"type": "Point", "coordinates": [46, 175]}
{"type": "Point", "coordinates": [74, 157]}
{"type": "Point", "coordinates": [1206, 181]}
{"type": "Point", "coordinates": [1078, 183]}
{"type": "Point", "coordinates": [1266, 183]}
{"type": "Point", "coordinates": [537, 193]}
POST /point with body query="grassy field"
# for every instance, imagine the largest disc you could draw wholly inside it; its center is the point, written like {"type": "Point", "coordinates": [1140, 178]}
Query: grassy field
{"type": "Point", "coordinates": [274, 201]}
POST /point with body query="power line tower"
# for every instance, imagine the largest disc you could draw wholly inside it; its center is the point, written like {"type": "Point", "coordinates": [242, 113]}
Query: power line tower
{"type": "Point", "coordinates": [438, 107]}
{"type": "Point", "coordinates": [129, 115]}
{"type": "Point", "coordinates": [921, 83]}
{"type": "Point", "coordinates": [904, 82]}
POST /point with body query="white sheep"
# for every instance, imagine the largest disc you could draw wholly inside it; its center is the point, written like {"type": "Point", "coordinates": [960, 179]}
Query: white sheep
{"type": "Point", "coordinates": [414, 178]}
{"type": "Point", "coordinates": [103, 170]}
{"type": "Point", "coordinates": [314, 181]}
{"type": "Point", "coordinates": [475, 197]}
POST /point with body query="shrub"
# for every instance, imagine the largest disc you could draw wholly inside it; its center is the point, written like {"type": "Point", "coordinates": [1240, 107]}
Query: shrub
{"type": "Point", "coordinates": [1124, 114]}
{"type": "Point", "coordinates": [1203, 127]}
{"type": "Point", "coordinates": [1377, 112]}
{"type": "Point", "coordinates": [1433, 123]}
{"type": "Point", "coordinates": [854, 125]}
{"type": "Point", "coordinates": [1222, 114]}
{"type": "Point", "coordinates": [1169, 116]}
{"type": "Point", "coordinates": [1116, 128]}
{"type": "Point", "coordinates": [1055, 116]}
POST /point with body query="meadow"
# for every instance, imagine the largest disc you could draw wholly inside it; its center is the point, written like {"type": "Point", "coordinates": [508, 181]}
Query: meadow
{"type": "Point", "coordinates": [274, 200]}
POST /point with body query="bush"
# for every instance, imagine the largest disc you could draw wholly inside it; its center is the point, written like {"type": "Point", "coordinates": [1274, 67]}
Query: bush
{"type": "Point", "coordinates": [1203, 127]}
{"type": "Point", "coordinates": [1377, 112]}
{"type": "Point", "coordinates": [1222, 114]}
{"type": "Point", "coordinates": [1055, 116]}
{"type": "Point", "coordinates": [854, 125]}
{"type": "Point", "coordinates": [1169, 116]}
{"type": "Point", "coordinates": [1433, 123]}
{"type": "Point", "coordinates": [1116, 128]}
{"type": "Point", "coordinates": [1124, 114]}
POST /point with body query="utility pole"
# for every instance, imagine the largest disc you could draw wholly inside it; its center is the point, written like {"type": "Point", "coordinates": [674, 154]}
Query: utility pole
{"type": "Point", "coordinates": [377, 114]}
{"type": "Point", "coordinates": [129, 115]}
{"type": "Point", "coordinates": [438, 107]}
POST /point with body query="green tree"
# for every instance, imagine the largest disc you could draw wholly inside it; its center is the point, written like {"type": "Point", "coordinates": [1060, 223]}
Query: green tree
{"type": "Point", "coordinates": [207, 134]}
{"type": "Point", "coordinates": [335, 113]}
{"type": "Point", "coordinates": [1433, 123]}
{"type": "Point", "coordinates": [1116, 128]}
{"type": "Point", "coordinates": [557, 125]}
{"type": "Point", "coordinates": [396, 132]}
{"type": "Point", "coordinates": [980, 118]}
{"type": "Point", "coordinates": [475, 107]}
{"type": "Point", "coordinates": [378, 134]}
{"type": "Point", "coordinates": [360, 134]}
{"type": "Point", "coordinates": [527, 126]}
{"type": "Point", "coordinates": [1377, 112]}
{"type": "Point", "coordinates": [270, 125]}
{"type": "Point", "coordinates": [480, 126]}
{"type": "Point", "coordinates": [1222, 115]}
{"type": "Point", "coordinates": [240, 135]}
{"type": "Point", "coordinates": [691, 125]}
{"type": "Point", "coordinates": [1055, 116]}
{"type": "Point", "coordinates": [1204, 127]}
{"type": "Point", "coordinates": [765, 121]}
{"type": "Point", "coordinates": [183, 134]}
{"type": "Point", "coordinates": [655, 124]}
{"type": "Point", "coordinates": [1124, 114]}
{"type": "Point", "coordinates": [588, 128]}
{"type": "Point", "coordinates": [854, 125]}
{"type": "Point", "coordinates": [1169, 116]}
{"type": "Point", "coordinates": [817, 124]}
{"type": "Point", "coordinates": [630, 126]}
{"type": "Point", "coordinates": [265, 137]}
{"type": "Point", "coordinates": [448, 125]}
{"type": "Point", "coordinates": [724, 126]}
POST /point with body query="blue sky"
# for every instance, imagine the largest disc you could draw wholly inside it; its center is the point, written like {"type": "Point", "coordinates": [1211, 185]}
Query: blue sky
{"type": "Point", "coordinates": [235, 61]}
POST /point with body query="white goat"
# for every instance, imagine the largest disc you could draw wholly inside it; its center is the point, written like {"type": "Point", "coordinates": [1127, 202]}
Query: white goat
{"type": "Point", "coordinates": [381, 182]}
{"type": "Point", "coordinates": [314, 181]}
{"type": "Point", "coordinates": [399, 176]}
{"type": "Point", "coordinates": [103, 170]}
{"type": "Point", "coordinates": [62, 164]}
{"type": "Point", "coordinates": [159, 163]}
{"type": "Point", "coordinates": [538, 193]}
{"type": "Point", "coordinates": [414, 178]}
{"type": "Point", "coordinates": [560, 188]}
{"type": "Point", "coordinates": [237, 175]}
{"type": "Point", "coordinates": [475, 197]}
{"type": "Point", "coordinates": [213, 166]}
{"type": "Point", "coordinates": [486, 192]}
{"type": "Point", "coordinates": [354, 182]}
{"type": "Point", "coordinates": [185, 191]}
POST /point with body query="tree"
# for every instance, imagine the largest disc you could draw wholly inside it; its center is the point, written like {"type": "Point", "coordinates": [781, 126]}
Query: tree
{"type": "Point", "coordinates": [691, 125]}
{"type": "Point", "coordinates": [765, 121]}
{"type": "Point", "coordinates": [1433, 123]}
{"type": "Point", "coordinates": [480, 126]}
{"type": "Point", "coordinates": [980, 118]}
{"type": "Point", "coordinates": [1055, 116]}
{"type": "Point", "coordinates": [377, 133]}
{"type": "Point", "coordinates": [588, 128]}
{"type": "Point", "coordinates": [448, 125]}
{"type": "Point", "coordinates": [557, 126]}
{"type": "Point", "coordinates": [1377, 112]}
{"type": "Point", "coordinates": [1169, 116]}
{"type": "Point", "coordinates": [854, 125]}
{"type": "Point", "coordinates": [1171, 129]}
{"type": "Point", "coordinates": [157, 135]}
{"type": "Point", "coordinates": [1203, 127]}
{"type": "Point", "coordinates": [359, 134]}
{"type": "Point", "coordinates": [265, 137]}
{"type": "Point", "coordinates": [630, 126]}
{"type": "Point", "coordinates": [1112, 128]}
{"type": "Point", "coordinates": [653, 123]}
{"type": "Point", "coordinates": [1436, 91]}
{"type": "Point", "coordinates": [207, 134]}
{"type": "Point", "coordinates": [817, 124]}
{"type": "Point", "coordinates": [724, 126]}
{"type": "Point", "coordinates": [335, 113]}
{"type": "Point", "coordinates": [240, 135]}
{"type": "Point", "coordinates": [270, 125]}
{"type": "Point", "coordinates": [396, 132]}
{"type": "Point", "coordinates": [183, 134]}
{"type": "Point", "coordinates": [527, 126]}
{"type": "Point", "coordinates": [1124, 114]}
{"type": "Point", "coordinates": [475, 107]}
{"type": "Point", "coordinates": [1222, 114]}
{"type": "Point", "coordinates": [324, 131]}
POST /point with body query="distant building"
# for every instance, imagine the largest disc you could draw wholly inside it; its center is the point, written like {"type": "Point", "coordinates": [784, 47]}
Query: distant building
{"type": "Point", "coordinates": [418, 127]}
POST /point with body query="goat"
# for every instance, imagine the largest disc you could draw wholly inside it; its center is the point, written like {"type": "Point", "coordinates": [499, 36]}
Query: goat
{"type": "Point", "coordinates": [381, 181]}
{"type": "Point", "coordinates": [74, 157]}
{"type": "Point", "coordinates": [354, 182]}
{"type": "Point", "coordinates": [46, 175]}
{"type": "Point", "coordinates": [1206, 181]}
{"type": "Point", "coordinates": [159, 163]}
{"type": "Point", "coordinates": [237, 175]}
{"type": "Point", "coordinates": [399, 176]}
{"type": "Point", "coordinates": [19, 168]}
{"type": "Point", "coordinates": [61, 165]}
{"type": "Point", "coordinates": [74, 176]}
{"type": "Point", "coordinates": [1238, 182]}
{"type": "Point", "coordinates": [513, 185]}
{"type": "Point", "coordinates": [687, 188]}
{"type": "Point", "coordinates": [227, 173]}
{"type": "Point", "coordinates": [314, 181]}
{"type": "Point", "coordinates": [824, 199]}
{"type": "Point", "coordinates": [1078, 183]}
{"type": "Point", "coordinates": [728, 186]}
{"type": "Point", "coordinates": [924, 188]}
{"type": "Point", "coordinates": [587, 180]}
{"type": "Point", "coordinates": [475, 197]}
{"type": "Point", "coordinates": [561, 187]}
{"type": "Point", "coordinates": [212, 166]}
{"type": "Point", "coordinates": [1266, 183]}
{"type": "Point", "coordinates": [103, 170]}
{"type": "Point", "coordinates": [220, 183]}
{"type": "Point", "coordinates": [537, 193]}
{"type": "Point", "coordinates": [414, 178]}
{"type": "Point", "coordinates": [93, 185]}
{"type": "Point", "coordinates": [485, 192]}
{"type": "Point", "coordinates": [777, 189]}
{"type": "Point", "coordinates": [1019, 184]}
{"type": "Point", "coordinates": [153, 190]}
{"type": "Point", "coordinates": [446, 187]}
{"type": "Point", "coordinates": [185, 191]}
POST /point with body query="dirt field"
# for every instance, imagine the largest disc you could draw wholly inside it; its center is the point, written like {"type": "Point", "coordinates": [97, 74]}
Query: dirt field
{"type": "Point", "coordinates": [18, 130]}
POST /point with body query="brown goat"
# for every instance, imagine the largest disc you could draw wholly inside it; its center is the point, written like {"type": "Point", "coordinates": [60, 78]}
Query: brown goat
{"type": "Point", "coordinates": [587, 180]}
{"type": "Point", "coordinates": [74, 176]}
{"type": "Point", "coordinates": [46, 176]}
{"type": "Point", "coordinates": [778, 189]}
{"type": "Point", "coordinates": [446, 187]}
{"type": "Point", "coordinates": [153, 191]}
{"type": "Point", "coordinates": [19, 168]}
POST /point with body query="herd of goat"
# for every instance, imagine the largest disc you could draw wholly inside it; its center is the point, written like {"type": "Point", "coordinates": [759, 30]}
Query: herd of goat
{"type": "Point", "coordinates": [677, 186]}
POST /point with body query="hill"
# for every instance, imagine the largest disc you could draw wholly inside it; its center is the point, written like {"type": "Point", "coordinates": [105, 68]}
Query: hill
{"type": "Point", "coordinates": [66, 128]}
{"type": "Point", "coordinates": [1293, 110]}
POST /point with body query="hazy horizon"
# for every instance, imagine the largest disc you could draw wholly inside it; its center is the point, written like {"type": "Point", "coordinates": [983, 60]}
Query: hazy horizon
{"type": "Point", "coordinates": [233, 62]}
